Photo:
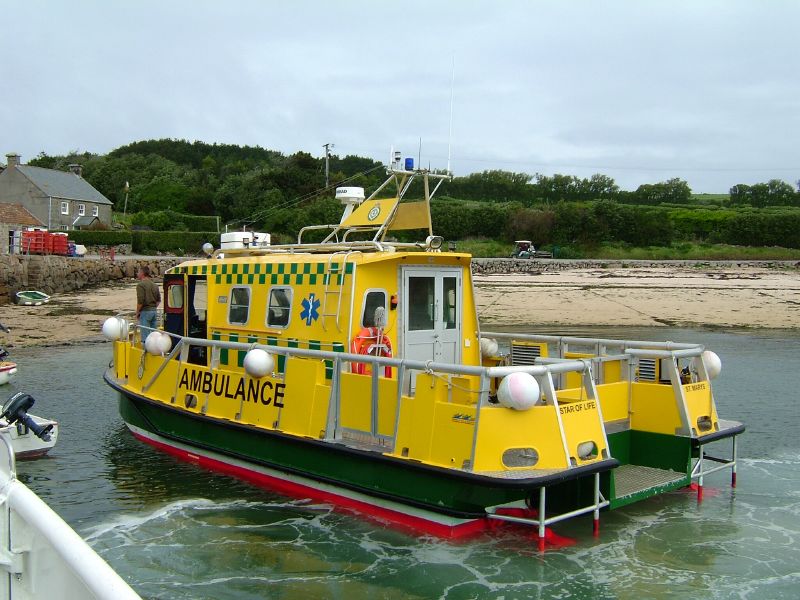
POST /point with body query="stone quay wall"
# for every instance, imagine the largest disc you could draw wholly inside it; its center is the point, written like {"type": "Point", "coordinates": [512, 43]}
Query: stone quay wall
{"type": "Point", "coordinates": [58, 274]}
{"type": "Point", "coordinates": [509, 266]}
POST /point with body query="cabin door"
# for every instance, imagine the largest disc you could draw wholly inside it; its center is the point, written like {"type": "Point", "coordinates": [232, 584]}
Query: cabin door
{"type": "Point", "coordinates": [432, 314]}
{"type": "Point", "coordinates": [185, 306]}
{"type": "Point", "coordinates": [174, 302]}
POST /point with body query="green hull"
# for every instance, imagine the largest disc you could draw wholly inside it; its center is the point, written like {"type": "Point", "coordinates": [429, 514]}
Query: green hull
{"type": "Point", "coordinates": [670, 454]}
{"type": "Point", "coordinates": [452, 493]}
{"type": "Point", "coordinates": [664, 460]}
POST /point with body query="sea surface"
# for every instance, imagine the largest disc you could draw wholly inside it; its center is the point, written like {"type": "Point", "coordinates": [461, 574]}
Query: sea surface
{"type": "Point", "coordinates": [176, 531]}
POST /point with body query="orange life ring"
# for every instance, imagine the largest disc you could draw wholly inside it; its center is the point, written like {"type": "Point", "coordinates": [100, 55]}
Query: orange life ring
{"type": "Point", "coordinates": [371, 341]}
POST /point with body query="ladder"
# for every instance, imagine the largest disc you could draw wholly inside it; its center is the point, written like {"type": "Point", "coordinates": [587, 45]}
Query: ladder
{"type": "Point", "coordinates": [335, 274]}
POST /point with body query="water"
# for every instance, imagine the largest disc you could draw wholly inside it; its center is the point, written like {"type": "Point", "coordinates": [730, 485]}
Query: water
{"type": "Point", "coordinates": [176, 531]}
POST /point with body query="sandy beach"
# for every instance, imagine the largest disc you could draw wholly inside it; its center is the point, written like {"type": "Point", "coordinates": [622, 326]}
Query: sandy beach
{"type": "Point", "coordinates": [678, 296]}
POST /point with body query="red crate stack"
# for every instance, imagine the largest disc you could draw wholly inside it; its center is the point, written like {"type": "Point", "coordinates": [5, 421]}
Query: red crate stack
{"type": "Point", "coordinates": [59, 244]}
{"type": "Point", "coordinates": [34, 242]}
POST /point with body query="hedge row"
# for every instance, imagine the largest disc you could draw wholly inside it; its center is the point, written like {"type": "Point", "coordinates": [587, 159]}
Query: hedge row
{"type": "Point", "coordinates": [590, 223]}
{"type": "Point", "coordinates": [565, 223]}
{"type": "Point", "coordinates": [169, 220]}
{"type": "Point", "coordinates": [174, 242]}
{"type": "Point", "coordinates": [148, 242]}
{"type": "Point", "coordinates": [98, 237]}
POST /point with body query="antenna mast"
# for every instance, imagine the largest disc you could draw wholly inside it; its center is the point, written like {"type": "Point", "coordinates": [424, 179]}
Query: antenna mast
{"type": "Point", "coordinates": [327, 147]}
{"type": "Point", "coordinates": [450, 133]}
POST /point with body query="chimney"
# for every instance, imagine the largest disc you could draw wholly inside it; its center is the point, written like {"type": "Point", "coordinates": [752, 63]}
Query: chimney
{"type": "Point", "coordinates": [76, 169]}
{"type": "Point", "coordinates": [12, 159]}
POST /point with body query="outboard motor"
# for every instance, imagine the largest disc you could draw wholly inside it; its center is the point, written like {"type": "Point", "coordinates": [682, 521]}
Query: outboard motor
{"type": "Point", "coordinates": [16, 410]}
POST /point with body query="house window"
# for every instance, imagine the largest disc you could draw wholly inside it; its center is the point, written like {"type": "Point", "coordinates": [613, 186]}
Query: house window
{"type": "Point", "coordinates": [95, 211]}
{"type": "Point", "coordinates": [65, 208]}
{"type": "Point", "coordinates": [64, 227]}
{"type": "Point", "coordinates": [239, 306]}
{"type": "Point", "coordinates": [280, 307]}
{"type": "Point", "coordinates": [81, 210]}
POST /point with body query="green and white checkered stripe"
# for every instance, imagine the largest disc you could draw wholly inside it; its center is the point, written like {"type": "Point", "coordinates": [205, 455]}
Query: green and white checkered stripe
{"type": "Point", "coordinates": [269, 273]}
{"type": "Point", "coordinates": [230, 357]}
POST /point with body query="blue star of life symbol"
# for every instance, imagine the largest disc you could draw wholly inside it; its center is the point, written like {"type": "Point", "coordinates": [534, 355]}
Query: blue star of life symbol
{"type": "Point", "coordinates": [310, 312]}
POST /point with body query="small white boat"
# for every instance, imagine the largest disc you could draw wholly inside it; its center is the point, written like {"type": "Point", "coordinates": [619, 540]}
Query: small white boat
{"type": "Point", "coordinates": [26, 443]}
{"type": "Point", "coordinates": [31, 436]}
{"type": "Point", "coordinates": [32, 298]}
{"type": "Point", "coordinates": [8, 370]}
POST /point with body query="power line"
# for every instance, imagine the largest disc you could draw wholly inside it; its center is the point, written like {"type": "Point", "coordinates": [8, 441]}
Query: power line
{"type": "Point", "coordinates": [623, 168]}
{"type": "Point", "coordinates": [607, 167]}
{"type": "Point", "coordinates": [295, 201]}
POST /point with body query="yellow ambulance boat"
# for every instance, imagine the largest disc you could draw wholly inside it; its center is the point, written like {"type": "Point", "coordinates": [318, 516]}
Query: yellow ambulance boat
{"type": "Point", "coordinates": [354, 370]}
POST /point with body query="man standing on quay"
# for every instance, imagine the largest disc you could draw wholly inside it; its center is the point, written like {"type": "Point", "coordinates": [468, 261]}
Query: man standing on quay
{"type": "Point", "coordinates": [147, 300]}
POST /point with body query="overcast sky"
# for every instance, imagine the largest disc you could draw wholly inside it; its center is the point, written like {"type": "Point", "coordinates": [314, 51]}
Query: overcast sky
{"type": "Point", "coordinates": [640, 91]}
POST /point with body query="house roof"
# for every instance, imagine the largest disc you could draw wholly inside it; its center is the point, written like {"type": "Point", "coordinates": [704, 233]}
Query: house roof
{"type": "Point", "coordinates": [84, 221]}
{"type": "Point", "coordinates": [62, 184]}
{"type": "Point", "coordinates": [16, 214]}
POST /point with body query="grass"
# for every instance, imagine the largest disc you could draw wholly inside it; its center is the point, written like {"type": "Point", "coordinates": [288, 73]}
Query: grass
{"type": "Point", "coordinates": [483, 248]}
{"type": "Point", "coordinates": [710, 199]}
{"type": "Point", "coordinates": [692, 251]}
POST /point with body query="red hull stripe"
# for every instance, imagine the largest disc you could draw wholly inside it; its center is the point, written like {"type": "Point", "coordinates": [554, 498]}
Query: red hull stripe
{"type": "Point", "coordinates": [409, 518]}
{"type": "Point", "coordinates": [456, 528]}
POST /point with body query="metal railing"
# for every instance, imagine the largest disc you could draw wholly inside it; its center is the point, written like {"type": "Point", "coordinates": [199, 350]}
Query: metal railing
{"type": "Point", "coordinates": [42, 555]}
{"type": "Point", "coordinates": [340, 362]}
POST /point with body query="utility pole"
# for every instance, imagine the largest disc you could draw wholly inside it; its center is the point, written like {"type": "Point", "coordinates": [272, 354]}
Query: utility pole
{"type": "Point", "coordinates": [327, 147]}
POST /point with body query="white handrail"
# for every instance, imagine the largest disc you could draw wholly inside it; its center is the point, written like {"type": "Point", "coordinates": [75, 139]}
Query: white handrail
{"type": "Point", "coordinates": [61, 563]}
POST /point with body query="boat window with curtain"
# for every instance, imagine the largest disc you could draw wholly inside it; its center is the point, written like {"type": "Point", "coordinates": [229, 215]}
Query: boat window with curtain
{"type": "Point", "coordinates": [279, 308]}
{"type": "Point", "coordinates": [372, 299]}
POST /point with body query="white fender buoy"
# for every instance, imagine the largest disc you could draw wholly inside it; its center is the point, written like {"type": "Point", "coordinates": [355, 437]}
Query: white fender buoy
{"type": "Point", "coordinates": [115, 328]}
{"type": "Point", "coordinates": [519, 391]}
{"type": "Point", "coordinates": [164, 343]}
{"type": "Point", "coordinates": [158, 343]}
{"type": "Point", "coordinates": [258, 363]}
{"type": "Point", "coordinates": [488, 347]}
{"type": "Point", "coordinates": [586, 450]}
{"type": "Point", "coordinates": [713, 364]}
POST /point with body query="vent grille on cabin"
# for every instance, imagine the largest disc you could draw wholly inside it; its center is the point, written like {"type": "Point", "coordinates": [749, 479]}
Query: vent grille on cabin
{"type": "Point", "coordinates": [525, 354]}
{"type": "Point", "coordinates": [647, 369]}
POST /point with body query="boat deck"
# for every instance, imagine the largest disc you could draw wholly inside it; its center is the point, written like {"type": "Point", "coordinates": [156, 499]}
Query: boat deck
{"type": "Point", "coordinates": [630, 480]}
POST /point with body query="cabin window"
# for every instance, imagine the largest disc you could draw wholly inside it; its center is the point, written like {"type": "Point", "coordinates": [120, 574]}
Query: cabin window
{"type": "Point", "coordinates": [420, 302]}
{"type": "Point", "coordinates": [280, 307]}
{"type": "Point", "coordinates": [174, 297]}
{"type": "Point", "coordinates": [95, 211]}
{"type": "Point", "coordinates": [65, 208]}
{"type": "Point", "coordinates": [372, 299]}
{"type": "Point", "coordinates": [240, 305]}
{"type": "Point", "coordinates": [199, 299]}
{"type": "Point", "coordinates": [450, 304]}
{"type": "Point", "coordinates": [81, 210]}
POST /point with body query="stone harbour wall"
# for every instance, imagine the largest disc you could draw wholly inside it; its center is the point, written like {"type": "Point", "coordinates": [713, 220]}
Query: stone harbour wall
{"type": "Point", "coordinates": [507, 266]}
{"type": "Point", "coordinates": [58, 274]}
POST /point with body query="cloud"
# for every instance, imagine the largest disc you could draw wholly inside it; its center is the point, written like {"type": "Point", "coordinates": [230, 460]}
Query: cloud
{"type": "Point", "coordinates": [698, 90]}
